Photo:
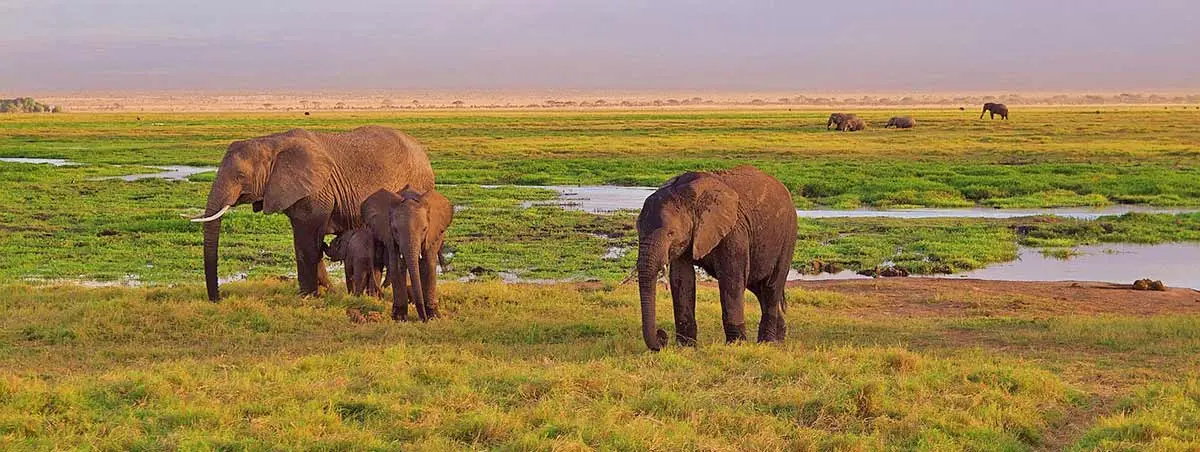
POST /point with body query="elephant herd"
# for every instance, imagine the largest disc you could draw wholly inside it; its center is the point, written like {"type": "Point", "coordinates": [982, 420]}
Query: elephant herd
{"type": "Point", "coordinates": [373, 187]}
{"type": "Point", "coordinates": [849, 122]}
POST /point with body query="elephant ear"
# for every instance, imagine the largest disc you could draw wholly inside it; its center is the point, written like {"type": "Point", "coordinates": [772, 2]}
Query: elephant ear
{"type": "Point", "coordinates": [299, 170]}
{"type": "Point", "coordinates": [441, 213]}
{"type": "Point", "coordinates": [377, 214]}
{"type": "Point", "coordinates": [716, 211]}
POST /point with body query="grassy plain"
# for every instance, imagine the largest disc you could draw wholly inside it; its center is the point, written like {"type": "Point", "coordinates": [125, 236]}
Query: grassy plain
{"type": "Point", "coordinates": [562, 367]}
{"type": "Point", "coordinates": [61, 224]}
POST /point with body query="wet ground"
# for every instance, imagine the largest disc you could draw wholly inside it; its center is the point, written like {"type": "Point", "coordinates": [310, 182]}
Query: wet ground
{"type": "Point", "coordinates": [1175, 264]}
{"type": "Point", "coordinates": [170, 172]}
{"type": "Point", "coordinates": [605, 198]}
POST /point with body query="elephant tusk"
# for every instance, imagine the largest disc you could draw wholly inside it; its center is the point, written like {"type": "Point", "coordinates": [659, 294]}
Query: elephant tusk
{"type": "Point", "coordinates": [212, 217]}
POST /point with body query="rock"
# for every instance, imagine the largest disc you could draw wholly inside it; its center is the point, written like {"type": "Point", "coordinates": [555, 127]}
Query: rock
{"type": "Point", "coordinates": [1157, 285]}
{"type": "Point", "coordinates": [1141, 284]}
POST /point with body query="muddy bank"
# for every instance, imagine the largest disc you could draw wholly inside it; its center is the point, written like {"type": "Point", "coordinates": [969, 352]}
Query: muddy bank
{"type": "Point", "coordinates": [942, 297]}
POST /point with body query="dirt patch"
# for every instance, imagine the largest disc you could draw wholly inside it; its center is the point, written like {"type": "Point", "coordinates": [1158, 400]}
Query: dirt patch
{"type": "Point", "coordinates": [945, 297]}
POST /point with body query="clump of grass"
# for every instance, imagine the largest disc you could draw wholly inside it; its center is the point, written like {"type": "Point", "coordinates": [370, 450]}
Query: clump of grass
{"type": "Point", "coordinates": [1158, 416]}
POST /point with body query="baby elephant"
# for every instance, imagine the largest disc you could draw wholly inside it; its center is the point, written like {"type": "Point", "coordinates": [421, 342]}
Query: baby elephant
{"type": "Point", "coordinates": [364, 260]}
{"type": "Point", "coordinates": [412, 227]}
{"type": "Point", "coordinates": [853, 124]}
{"type": "Point", "coordinates": [901, 122]}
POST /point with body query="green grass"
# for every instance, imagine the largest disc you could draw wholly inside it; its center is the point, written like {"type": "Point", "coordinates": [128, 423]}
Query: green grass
{"type": "Point", "coordinates": [559, 367]}
{"type": "Point", "coordinates": [562, 367]}
{"type": "Point", "coordinates": [1043, 157]}
{"type": "Point", "coordinates": [533, 368]}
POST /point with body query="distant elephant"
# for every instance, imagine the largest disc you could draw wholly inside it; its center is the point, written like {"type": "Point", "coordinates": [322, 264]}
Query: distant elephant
{"type": "Point", "coordinates": [901, 122]}
{"type": "Point", "coordinates": [739, 225]}
{"type": "Point", "coordinates": [317, 179]}
{"type": "Point", "coordinates": [994, 109]}
{"type": "Point", "coordinates": [412, 226]}
{"type": "Point", "coordinates": [853, 124]}
{"type": "Point", "coordinates": [364, 259]}
{"type": "Point", "coordinates": [837, 119]}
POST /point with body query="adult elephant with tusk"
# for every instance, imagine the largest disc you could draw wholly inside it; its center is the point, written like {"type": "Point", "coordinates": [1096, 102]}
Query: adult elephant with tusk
{"type": "Point", "coordinates": [738, 225]}
{"type": "Point", "coordinates": [318, 180]}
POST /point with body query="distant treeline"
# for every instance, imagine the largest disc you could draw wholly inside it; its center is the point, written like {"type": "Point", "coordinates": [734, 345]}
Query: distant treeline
{"type": "Point", "coordinates": [26, 105]}
{"type": "Point", "coordinates": [1017, 99]}
{"type": "Point", "coordinates": [799, 100]}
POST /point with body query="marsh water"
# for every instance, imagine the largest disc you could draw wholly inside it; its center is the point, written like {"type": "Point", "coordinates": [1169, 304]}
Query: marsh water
{"type": "Point", "coordinates": [606, 198]}
{"type": "Point", "coordinates": [172, 172]}
{"type": "Point", "coordinates": [168, 172]}
{"type": "Point", "coordinates": [35, 161]}
{"type": "Point", "coordinates": [1175, 264]}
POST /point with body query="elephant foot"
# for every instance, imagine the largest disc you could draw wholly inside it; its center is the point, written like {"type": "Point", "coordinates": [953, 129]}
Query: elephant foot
{"type": "Point", "coordinates": [685, 341]}
{"type": "Point", "coordinates": [735, 333]}
{"type": "Point", "coordinates": [399, 314]}
{"type": "Point", "coordinates": [773, 332]}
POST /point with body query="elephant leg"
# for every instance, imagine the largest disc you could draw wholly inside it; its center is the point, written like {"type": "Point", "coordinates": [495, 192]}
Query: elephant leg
{"type": "Point", "coordinates": [373, 288]}
{"type": "Point", "coordinates": [306, 238]}
{"type": "Point", "coordinates": [429, 262]}
{"type": "Point", "coordinates": [349, 280]}
{"type": "Point", "coordinates": [772, 328]}
{"type": "Point", "coordinates": [362, 277]}
{"type": "Point", "coordinates": [683, 299]}
{"type": "Point", "coordinates": [731, 279]}
{"type": "Point", "coordinates": [323, 276]}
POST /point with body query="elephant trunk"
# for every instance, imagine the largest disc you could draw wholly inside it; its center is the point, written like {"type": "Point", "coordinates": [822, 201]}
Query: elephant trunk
{"type": "Point", "coordinates": [412, 260]}
{"type": "Point", "coordinates": [650, 262]}
{"type": "Point", "coordinates": [396, 275]}
{"type": "Point", "coordinates": [220, 198]}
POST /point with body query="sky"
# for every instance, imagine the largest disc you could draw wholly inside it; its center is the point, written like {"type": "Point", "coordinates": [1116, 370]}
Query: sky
{"type": "Point", "coordinates": [846, 46]}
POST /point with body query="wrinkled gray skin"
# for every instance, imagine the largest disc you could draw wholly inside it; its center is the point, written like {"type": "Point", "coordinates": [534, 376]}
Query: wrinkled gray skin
{"type": "Point", "coordinates": [364, 259]}
{"type": "Point", "coordinates": [994, 109]}
{"type": "Point", "coordinates": [738, 225]}
{"type": "Point", "coordinates": [901, 122]}
{"type": "Point", "coordinates": [318, 180]}
{"type": "Point", "coordinates": [853, 124]}
{"type": "Point", "coordinates": [412, 226]}
{"type": "Point", "coordinates": [836, 119]}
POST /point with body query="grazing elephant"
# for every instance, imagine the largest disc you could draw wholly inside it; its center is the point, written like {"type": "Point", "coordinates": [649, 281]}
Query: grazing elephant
{"type": "Point", "coordinates": [994, 109]}
{"type": "Point", "coordinates": [738, 225]}
{"type": "Point", "coordinates": [837, 119]}
{"type": "Point", "coordinates": [901, 122]}
{"type": "Point", "coordinates": [364, 259]}
{"type": "Point", "coordinates": [412, 226]}
{"type": "Point", "coordinates": [853, 124]}
{"type": "Point", "coordinates": [317, 179]}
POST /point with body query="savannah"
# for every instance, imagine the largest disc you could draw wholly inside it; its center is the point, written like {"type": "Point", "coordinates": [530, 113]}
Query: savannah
{"type": "Point", "coordinates": [107, 340]}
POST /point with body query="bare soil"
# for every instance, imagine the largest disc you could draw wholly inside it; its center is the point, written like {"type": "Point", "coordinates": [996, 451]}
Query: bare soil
{"type": "Point", "coordinates": [950, 297]}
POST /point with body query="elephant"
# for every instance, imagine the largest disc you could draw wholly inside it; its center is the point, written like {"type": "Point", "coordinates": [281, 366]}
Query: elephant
{"type": "Point", "coordinates": [739, 225]}
{"type": "Point", "coordinates": [412, 226]}
{"type": "Point", "coordinates": [318, 180]}
{"type": "Point", "coordinates": [364, 259]}
{"type": "Point", "coordinates": [901, 122]}
{"type": "Point", "coordinates": [994, 109]}
{"type": "Point", "coordinates": [853, 124]}
{"type": "Point", "coordinates": [837, 119]}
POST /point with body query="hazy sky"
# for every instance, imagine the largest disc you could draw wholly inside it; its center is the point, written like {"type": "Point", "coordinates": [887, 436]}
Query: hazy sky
{"type": "Point", "coordinates": [855, 45]}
